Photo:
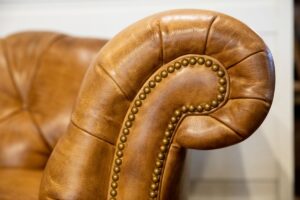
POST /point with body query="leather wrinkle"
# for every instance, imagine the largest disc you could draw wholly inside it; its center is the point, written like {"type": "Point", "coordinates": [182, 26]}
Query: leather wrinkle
{"type": "Point", "coordinates": [16, 112]}
{"type": "Point", "coordinates": [208, 33]}
{"type": "Point", "coordinates": [9, 68]}
{"type": "Point", "coordinates": [37, 66]}
{"type": "Point", "coordinates": [227, 126]}
{"type": "Point", "coordinates": [91, 134]}
{"type": "Point", "coordinates": [34, 122]}
{"type": "Point", "coordinates": [158, 23]}
{"type": "Point", "coordinates": [253, 98]}
{"type": "Point", "coordinates": [115, 82]}
{"type": "Point", "coordinates": [245, 58]}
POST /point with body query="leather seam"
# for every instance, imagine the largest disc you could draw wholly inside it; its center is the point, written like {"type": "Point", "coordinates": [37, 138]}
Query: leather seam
{"type": "Point", "coordinates": [245, 58]}
{"type": "Point", "coordinates": [115, 82]}
{"type": "Point", "coordinates": [91, 134]}
{"type": "Point", "coordinates": [226, 125]}
{"type": "Point", "coordinates": [208, 33]}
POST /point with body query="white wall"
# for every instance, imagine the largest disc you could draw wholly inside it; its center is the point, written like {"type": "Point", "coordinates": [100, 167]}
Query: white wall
{"type": "Point", "coordinates": [261, 168]}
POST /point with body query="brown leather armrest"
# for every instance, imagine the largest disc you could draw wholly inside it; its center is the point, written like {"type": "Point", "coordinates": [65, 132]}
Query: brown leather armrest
{"type": "Point", "coordinates": [175, 80]}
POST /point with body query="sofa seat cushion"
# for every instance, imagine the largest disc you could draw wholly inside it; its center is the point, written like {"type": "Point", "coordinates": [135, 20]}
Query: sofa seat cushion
{"type": "Point", "coordinates": [19, 184]}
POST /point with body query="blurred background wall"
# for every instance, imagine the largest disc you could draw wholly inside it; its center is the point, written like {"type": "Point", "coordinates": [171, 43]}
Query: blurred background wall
{"type": "Point", "coordinates": [261, 168]}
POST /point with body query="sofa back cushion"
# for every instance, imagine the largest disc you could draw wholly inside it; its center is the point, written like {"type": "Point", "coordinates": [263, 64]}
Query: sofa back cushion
{"type": "Point", "coordinates": [40, 75]}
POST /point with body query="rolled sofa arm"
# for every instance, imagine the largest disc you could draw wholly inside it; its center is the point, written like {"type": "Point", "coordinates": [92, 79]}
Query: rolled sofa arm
{"type": "Point", "coordinates": [175, 80]}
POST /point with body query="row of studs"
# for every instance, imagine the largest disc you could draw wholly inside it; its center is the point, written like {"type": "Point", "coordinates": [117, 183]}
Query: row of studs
{"type": "Point", "coordinates": [184, 110]}
{"type": "Point", "coordinates": [138, 103]}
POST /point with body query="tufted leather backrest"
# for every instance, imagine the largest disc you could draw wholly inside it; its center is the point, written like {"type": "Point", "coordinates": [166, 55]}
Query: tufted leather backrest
{"type": "Point", "coordinates": [40, 73]}
{"type": "Point", "coordinates": [175, 80]}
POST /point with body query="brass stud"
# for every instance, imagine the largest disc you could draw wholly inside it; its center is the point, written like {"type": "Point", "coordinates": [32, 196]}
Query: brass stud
{"type": "Point", "coordinates": [115, 177]}
{"type": "Point", "coordinates": [191, 108]}
{"type": "Point", "coordinates": [157, 171]}
{"type": "Point", "coordinates": [117, 169]}
{"type": "Point", "coordinates": [114, 184]}
{"type": "Point", "coordinates": [222, 89]}
{"type": "Point", "coordinates": [147, 90]}
{"type": "Point", "coordinates": [157, 78]}
{"type": "Point", "coordinates": [128, 124]}
{"type": "Point", "coordinates": [177, 113]}
{"type": "Point", "coordinates": [131, 117]}
{"type": "Point", "coordinates": [185, 62]}
{"type": "Point", "coordinates": [134, 110]}
{"type": "Point", "coordinates": [164, 73]}
{"type": "Point", "coordinates": [177, 65]}
{"type": "Point", "coordinates": [161, 156]}
{"type": "Point", "coordinates": [118, 161]}
{"type": "Point", "coordinates": [208, 63]}
{"type": "Point", "coordinates": [170, 127]}
{"type": "Point", "coordinates": [155, 179]}
{"type": "Point", "coordinates": [193, 61]}
{"type": "Point", "coordinates": [166, 141]}
{"type": "Point", "coordinates": [142, 96]}
{"type": "Point", "coordinates": [207, 107]}
{"type": "Point", "coordinates": [220, 97]}
{"type": "Point", "coordinates": [199, 108]}
{"type": "Point", "coordinates": [121, 146]}
{"type": "Point", "coordinates": [154, 186]}
{"type": "Point", "coordinates": [123, 138]}
{"type": "Point", "coordinates": [163, 148]}
{"type": "Point", "coordinates": [113, 193]}
{"type": "Point", "coordinates": [215, 67]}
{"type": "Point", "coordinates": [152, 84]}
{"type": "Point", "coordinates": [119, 154]}
{"type": "Point", "coordinates": [138, 103]}
{"type": "Point", "coordinates": [221, 73]}
{"type": "Point", "coordinates": [159, 163]}
{"type": "Point", "coordinates": [222, 81]}
{"type": "Point", "coordinates": [174, 119]}
{"type": "Point", "coordinates": [171, 69]}
{"type": "Point", "coordinates": [184, 109]}
{"type": "Point", "coordinates": [201, 61]}
{"type": "Point", "coordinates": [214, 103]}
{"type": "Point", "coordinates": [125, 131]}
{"type": "Point", "coordinates": [153, 194]}
{"type": "Point", "coordinates": [168, 133]}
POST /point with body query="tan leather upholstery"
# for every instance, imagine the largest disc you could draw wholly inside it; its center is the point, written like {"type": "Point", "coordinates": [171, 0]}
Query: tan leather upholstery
{"type": "Point", "coordinates": [175, 80]}
{"type": "Point", "coordinates": [40, 75]}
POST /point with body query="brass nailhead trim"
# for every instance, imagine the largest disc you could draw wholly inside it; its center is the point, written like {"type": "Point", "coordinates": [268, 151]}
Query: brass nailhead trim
{"type": "Point", "coordinates": [178, 113]}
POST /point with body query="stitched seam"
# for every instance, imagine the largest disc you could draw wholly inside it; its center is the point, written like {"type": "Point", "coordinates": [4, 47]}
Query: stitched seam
{"type": "Point", "coordinates": [115, 82]}
{"type": "Point", "coordinates": [91, 134]}
{"type": "Point", "coordinates": [208, 33]}
{"type": "Point", "coordinates": [226, 125]}
{"type": "Point", "coordinates": [248, 56]}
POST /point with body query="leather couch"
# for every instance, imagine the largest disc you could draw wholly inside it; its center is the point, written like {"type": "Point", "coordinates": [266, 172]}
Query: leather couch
{"type": "Point", "coordinates": [176, 80]}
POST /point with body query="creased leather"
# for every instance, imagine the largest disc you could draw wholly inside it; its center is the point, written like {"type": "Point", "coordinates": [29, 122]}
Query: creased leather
{"type": "Point", "coordinates": [83, 162]}
{"type": "Point", "coordinates": [126, 64]}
